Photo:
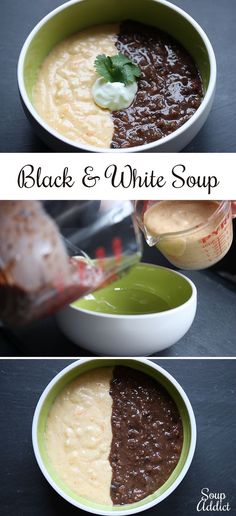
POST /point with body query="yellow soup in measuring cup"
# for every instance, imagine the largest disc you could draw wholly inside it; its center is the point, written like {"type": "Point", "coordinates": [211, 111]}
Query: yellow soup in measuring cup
{"type": "Point", "coordinates": [191, 234]}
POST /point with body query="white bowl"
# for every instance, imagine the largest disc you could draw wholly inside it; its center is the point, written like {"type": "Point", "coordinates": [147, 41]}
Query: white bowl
{"type": "Point", "coordinates": [175, 390]}
{"type": "Point", "coordinates": [78, 14]}
{"type": "Point", "coordinates": [134, 335]}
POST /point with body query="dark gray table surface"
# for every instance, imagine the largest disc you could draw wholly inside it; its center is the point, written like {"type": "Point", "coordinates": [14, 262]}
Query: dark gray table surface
{"type": "Point", "coordinates": [213, 332]}
{"type": "Point", "coordinates": [218, 19]}
{"type": "Point", "coordinates": [210, 385]}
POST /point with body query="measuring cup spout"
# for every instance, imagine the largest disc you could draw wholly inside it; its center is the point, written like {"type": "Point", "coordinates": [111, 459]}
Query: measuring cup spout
{"type": "Point", "coordinates": [152, 240]}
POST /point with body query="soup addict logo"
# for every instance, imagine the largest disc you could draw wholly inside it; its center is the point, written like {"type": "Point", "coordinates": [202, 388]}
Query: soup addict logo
{"type": "Point", "coordinates": [212, 502]}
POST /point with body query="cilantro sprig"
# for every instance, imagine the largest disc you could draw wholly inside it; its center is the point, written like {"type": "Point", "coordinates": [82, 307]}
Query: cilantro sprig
{"type": "Point", "coordinates": [117, 68]}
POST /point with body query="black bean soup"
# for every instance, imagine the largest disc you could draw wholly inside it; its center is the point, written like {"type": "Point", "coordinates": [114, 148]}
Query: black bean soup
{"type": "Point", "coordinates": [147, 435]}
{"type": "Point", "coordinates": [169, 89]}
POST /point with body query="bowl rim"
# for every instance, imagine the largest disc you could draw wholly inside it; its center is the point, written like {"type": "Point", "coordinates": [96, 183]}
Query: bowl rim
{"type": "Point", "coordinates": [163, 313]}
{"type": "Point", "coordinates": [80, 505]}
{"type": "Point", "coordinates": [148, 146]}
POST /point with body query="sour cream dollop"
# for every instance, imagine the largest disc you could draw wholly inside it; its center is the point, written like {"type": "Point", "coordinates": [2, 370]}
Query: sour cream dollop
{"type": "Point", "coordinates": [113, 95]}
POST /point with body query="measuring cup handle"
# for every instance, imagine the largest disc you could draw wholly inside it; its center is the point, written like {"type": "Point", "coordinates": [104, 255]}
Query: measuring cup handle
{"type": "Point", "coordinates": [233, 207]}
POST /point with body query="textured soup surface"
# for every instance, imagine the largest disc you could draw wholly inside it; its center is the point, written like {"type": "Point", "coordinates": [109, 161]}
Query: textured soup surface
{"type": "Point", "coordinates": [114, 435]}
{"type": "Point", "coordinates": [78, 435]}
{"type": "Point", "coordinates": [169, 90]}
{"type": "Point", "coordinates": [147, 435]}
{"type": "Point", "coordinates": [62, 93]}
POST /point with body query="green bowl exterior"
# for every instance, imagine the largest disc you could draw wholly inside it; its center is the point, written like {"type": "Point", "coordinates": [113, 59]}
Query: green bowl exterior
{"type": "Point", "coordinates": [169, 286]}
{"type": "Point", "coordinates": [88, 366]}
{"type": "Point", "coordinates": [86, 13]}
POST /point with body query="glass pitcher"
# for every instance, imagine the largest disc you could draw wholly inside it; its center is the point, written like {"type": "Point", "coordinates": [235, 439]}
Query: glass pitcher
{"type": "Point", "coordinates": [54, 252]}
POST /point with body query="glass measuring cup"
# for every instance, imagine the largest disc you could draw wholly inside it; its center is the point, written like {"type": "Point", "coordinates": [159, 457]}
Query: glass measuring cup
{"type": "Point", "coordinates": [53, 253]}
{"type": "Point", "coordinates": [198, 247]}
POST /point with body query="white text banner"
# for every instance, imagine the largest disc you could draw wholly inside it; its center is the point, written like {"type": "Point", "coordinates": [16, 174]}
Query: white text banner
{"type": "Point", "coordinates": [117, 176]}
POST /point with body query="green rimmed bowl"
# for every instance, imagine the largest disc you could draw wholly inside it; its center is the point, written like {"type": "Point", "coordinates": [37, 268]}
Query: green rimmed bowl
{"type": "Point", "coordinates": [66, 376]}
{"type": "Point", "coordinates": [147, 310]}
{"type": "Point", "coordinates": [76, 15]}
